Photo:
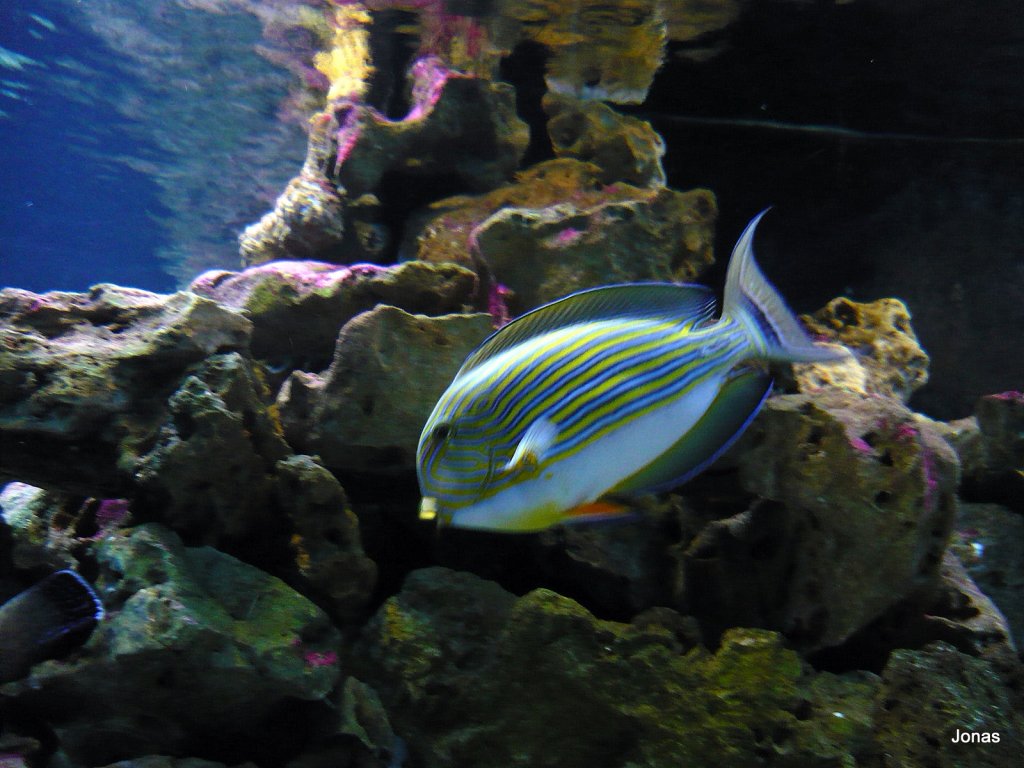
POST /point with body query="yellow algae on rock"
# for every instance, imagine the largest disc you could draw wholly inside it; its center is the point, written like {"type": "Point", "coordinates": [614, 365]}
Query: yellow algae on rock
{"type": "Point", "coordinates": [600, 50]}
{"type": "Point", "coordinates": [559, 229]}
{"type": "Point", "coordinates": [347, 64]}
{"type": "Point", "coordinates": [695, 22]}
{"type": "Point", "coordinates": [881, 339]}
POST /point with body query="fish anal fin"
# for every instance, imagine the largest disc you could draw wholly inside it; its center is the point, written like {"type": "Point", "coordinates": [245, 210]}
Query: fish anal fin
{"type": "Point", "coordinates": [600, 509]}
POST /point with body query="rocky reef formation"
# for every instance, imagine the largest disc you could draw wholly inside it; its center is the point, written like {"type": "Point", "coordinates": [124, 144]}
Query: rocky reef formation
{"type": "Point", "coordinates": [233, 468]}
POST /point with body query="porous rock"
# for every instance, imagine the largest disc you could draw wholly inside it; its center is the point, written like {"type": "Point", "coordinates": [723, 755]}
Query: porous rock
{"type": "Point", "coordinates": [459, 128]}
{"type": "Point", "coordinates": [47, 530]}
{"type": "Point", "coordinates": [473, 676]}
{"type": "Point", "coordinates": [928, 696]}
{"type": "Point", "coordinates": [887, 359]}
{"type": "Point", "coordinates": [307, 222]}
{"type": "Point", "coordinates": [325, 537]}
{"type": "Point", "coordinates": [84, 378]}
{"type": "Point", "coordinates": [194, 642]}
{"type": "Point", "coordinates": [988, 540]}
{"type": "Point", "coordinates": [991, 445]}
{"type": "Point", "coordinates": [957, 612]}
{"type": "Point", "coordinates": [599, 51]}
{"type": "Point", "coordinates": [297, 307]}
{"type": "Point", "coordinates": [559, 229]}
{"type": "Point", "coordinates": [359, 734]}
{"type": "Point", "coordinates": [625, 148]}
{"type": "Point", "coordinates": [457, 125]}
{"type": "Point", "coordinates": [209, 476]}
{"type": "Point", "coordinates": [965, 616]}
{"type": "Point", "coordinates": [366, 412]}
{"type": "Point", "coordinates": [544, 254]}
{"type": "Point", "coordinates": [857, 503]}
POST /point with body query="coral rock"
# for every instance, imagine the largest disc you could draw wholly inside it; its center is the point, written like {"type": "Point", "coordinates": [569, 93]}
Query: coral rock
{"type": "Point", "coordinates": [625, 148]}
{"type": "Point", "coordinates": [209, 475]}
{"type": "Point", "coordinates": [600, 51]}
{"type": "Point", "coordinates": [458, 125]}
{"type": "Point", "coordinates": [862, 501]}
{"type": "Point", "coordinates": [308, 221]}
{"type": "Point", "coordinates": [84, 378]}
{"type": "Point", "coordinates": [558, 229]}
{"type": "Point", "coordinates": [297, 307]}
{"type": "Point", "coordinates": [164, 761]}
{"type": "Point", "coordinates": [326, 542]}
{"type": "Point", "coordinates": [881, 339]}
{"type": "Point", "coordinates": [460, 128]}
{"type": "Point", "coordinates": [473, 676]}
{"type": "Point", "coordinates": [988, 542]}
{"type": "Point", "coordinates": [42, 527]}
{"type": "Point", "coordinates": [928, 696]}
{"type": "Point", "coordinates": [194, 642]}
{"type": "Point", "coordinates": [366, 412]}
{"type": "Point", "coordinates": [998, 473]}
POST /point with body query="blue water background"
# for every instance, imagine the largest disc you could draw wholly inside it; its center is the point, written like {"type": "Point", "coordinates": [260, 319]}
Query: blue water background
{"type": "Point", "coordinates": [70, 216]}
{"type": "Point", "coordinates": [139, 138]}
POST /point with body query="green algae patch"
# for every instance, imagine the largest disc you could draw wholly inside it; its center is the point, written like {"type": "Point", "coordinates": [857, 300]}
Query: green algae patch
{"type": "Point", "coordinates": [474, 676]}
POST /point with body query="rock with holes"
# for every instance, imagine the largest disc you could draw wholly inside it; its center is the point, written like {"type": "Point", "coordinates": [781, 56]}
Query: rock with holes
{"type": "Point", "coordinates": [991, 447]}
{"type": "Point", "coordinates": [366, 412]}
{"type": "Point", "coordinates": [461, 131]}
{"type": "Point", "coordinates": [988, 540]}
{"type": "Point", "coordinates": [929, 697]}
{"type": "Point", "coordinates": [473, 676]}
{"type": "Point", "coordinates": [560, 228]}
{"type": "Point", "coordinates": [857, 500]}
{"type": "Point", "coordinates": [325, 539]}
{"type": "Point", "coordinates": [84, 378]}
{"type": "Point", "coordinates": [625, 148]}
{"type": "Point", "coordinates": [209, 475]}
{"type": "Point", "coordinates": [297, 307]}
{"type": "Point", "coordinates": [887, 359]}
{"type": "Point", "coordinates": [598, 51]}
{"type": "Point", "coordinates": [194, 642]}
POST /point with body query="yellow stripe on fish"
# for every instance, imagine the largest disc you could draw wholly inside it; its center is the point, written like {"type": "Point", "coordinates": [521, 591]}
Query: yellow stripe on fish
{"type": "Point", "coordinates": [622, 390]}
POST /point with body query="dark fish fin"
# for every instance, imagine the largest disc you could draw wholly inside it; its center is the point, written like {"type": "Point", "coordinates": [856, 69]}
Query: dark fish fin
{"type": "Point", "coordinates": [642, 301]}
{"type": "Point", "coordinates": [730, 413]}
{"type": "Point", "coordinates": [72, 603]}
{"type": "Point", "coordinates": [45, 620]}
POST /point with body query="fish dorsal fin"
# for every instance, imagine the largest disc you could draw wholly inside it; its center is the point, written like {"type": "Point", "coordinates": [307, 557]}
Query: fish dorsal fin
{"type": "Point", "coordinates": [686, 303]}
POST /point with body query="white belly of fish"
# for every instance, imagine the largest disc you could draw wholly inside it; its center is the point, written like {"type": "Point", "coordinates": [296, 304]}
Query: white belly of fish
{"type": "Point", "coordinates": [593, 471]}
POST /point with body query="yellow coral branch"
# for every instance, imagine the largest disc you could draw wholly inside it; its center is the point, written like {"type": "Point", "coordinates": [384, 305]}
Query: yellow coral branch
{"type": "Point", "coordinates": [347, 64]}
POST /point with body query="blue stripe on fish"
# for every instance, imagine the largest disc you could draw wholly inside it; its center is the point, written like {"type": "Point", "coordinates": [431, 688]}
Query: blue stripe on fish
{"type": "Point", "coordinates": [621, 389]}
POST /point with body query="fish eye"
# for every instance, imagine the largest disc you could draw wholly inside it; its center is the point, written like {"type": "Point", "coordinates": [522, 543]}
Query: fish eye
{"type": "Point", "coordinates": [441, 432]}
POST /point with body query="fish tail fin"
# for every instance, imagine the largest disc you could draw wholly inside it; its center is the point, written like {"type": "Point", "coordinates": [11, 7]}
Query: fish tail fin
{"type": "Point", "coordinates": [751, 300]}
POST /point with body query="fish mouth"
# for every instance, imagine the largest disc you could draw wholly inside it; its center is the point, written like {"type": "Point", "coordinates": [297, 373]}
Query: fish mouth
{"type": "Point", "coordinates": [431, 510]}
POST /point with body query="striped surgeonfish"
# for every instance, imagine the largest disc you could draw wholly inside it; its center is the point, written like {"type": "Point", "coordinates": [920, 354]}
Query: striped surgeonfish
{"type": "Point", "coordinates": [602, 395]}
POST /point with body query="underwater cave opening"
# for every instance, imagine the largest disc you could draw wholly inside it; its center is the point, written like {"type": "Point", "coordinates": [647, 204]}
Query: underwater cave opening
{"type": "Point", "coordinates": [524, 69]}
{"type": "Point", "coordinates": [392, 48]}
{"type": "Point", "coordinates": [402, 196]}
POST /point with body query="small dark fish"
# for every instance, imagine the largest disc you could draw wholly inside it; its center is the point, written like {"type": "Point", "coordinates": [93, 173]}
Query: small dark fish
{"type": "Point", "coordinates": [44, 620]}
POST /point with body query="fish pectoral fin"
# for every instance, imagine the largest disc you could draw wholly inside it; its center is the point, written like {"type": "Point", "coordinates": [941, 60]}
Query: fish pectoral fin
{"type": "Point", "coordinates": [532, 449]}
